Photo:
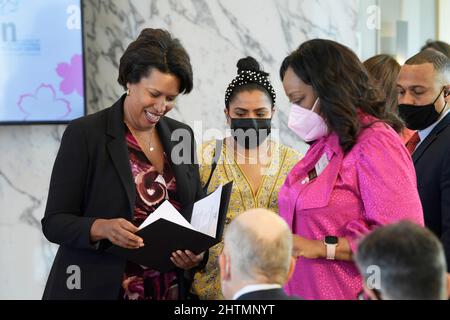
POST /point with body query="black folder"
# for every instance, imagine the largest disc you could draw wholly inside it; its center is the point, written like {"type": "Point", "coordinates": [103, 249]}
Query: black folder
{"type": "Point", "coordinates": [163, 237]}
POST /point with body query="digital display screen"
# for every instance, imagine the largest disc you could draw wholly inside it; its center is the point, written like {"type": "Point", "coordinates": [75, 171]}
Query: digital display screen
{"type": "Point", "coordinates": [41, 61]}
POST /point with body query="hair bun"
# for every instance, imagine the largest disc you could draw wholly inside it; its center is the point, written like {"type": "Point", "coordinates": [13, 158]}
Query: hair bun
{"type": "Point", "coordinates": [248, 63]}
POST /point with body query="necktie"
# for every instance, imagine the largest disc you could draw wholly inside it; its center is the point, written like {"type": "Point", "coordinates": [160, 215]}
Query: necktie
{"type": "Point", "coordinates": [412, 143]}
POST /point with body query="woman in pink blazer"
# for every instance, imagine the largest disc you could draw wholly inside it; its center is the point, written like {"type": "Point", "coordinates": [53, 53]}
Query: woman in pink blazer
{"type": "Point", "coordinates": [356, 176]}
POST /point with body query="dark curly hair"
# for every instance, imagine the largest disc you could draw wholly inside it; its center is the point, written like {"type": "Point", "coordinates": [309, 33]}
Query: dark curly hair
{"type": "Point", "coordinates": [155, 48]}
{"type": "Point", "coordinates": [343, 85]}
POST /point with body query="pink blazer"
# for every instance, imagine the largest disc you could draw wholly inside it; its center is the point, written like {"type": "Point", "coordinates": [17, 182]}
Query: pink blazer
{"type": "Point", "coordinates": [372, 185]}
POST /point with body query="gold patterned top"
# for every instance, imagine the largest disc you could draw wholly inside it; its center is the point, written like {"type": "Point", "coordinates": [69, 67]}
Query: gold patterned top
{"type": "Point", "coordinates": [206, 284]}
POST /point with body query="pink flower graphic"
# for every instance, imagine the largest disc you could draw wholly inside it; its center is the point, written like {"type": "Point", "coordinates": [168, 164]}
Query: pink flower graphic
{"type": "Point", "coordinates": [72, 75]}
{"type": "Point", "coordinates": [44, 105]}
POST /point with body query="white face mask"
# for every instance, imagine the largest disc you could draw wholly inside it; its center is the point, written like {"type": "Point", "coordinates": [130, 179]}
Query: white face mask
{"type": "Point", "coordinates": [307, 124]}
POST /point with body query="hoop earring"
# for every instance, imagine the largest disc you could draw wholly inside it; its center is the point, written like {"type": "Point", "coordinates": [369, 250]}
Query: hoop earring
{"type": "Point", "coordinates": [128, 92]}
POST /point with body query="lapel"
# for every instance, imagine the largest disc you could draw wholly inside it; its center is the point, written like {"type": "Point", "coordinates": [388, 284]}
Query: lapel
{"type": "Point", "coordinates": [315, 194]}
{"type": "Point", "coordinates": [118, 151]}
{"type": "Point", "coordinates": [182, 172]}
{"type": "Point", "coordinates": [431, 138]}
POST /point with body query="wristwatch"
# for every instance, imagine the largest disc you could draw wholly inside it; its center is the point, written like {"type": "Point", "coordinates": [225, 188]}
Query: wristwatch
{"type": "Point", "coordinates": [331, 242]}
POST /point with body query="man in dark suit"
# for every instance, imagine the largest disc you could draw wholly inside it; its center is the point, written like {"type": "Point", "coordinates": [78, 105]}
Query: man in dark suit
{"type": "Point", "coordinates": [424, 104]}
{"type": "Point", "coordinates": [257, 257]}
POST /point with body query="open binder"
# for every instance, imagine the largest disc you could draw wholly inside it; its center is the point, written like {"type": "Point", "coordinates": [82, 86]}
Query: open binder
{"type": "Point", "coordinates": [166, 231]}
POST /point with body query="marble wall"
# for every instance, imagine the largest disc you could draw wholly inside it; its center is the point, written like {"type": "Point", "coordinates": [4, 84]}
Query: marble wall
{"type": "Point", "coordinates": [216, 34]}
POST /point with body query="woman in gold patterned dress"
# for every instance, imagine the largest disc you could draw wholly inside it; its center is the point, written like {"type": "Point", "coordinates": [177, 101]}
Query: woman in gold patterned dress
{"type": "Point", "coordinates": [257, 165]}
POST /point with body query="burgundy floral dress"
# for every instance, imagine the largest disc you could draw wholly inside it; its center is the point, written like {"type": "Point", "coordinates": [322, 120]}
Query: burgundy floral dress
{"type": "Point", "coordinates": [152, 189]}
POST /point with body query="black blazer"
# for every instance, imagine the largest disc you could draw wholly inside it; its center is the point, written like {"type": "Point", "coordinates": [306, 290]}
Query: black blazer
{"type": "Point", "coordinates": [92, 179]}
{"type": "Point", "coordinates": [270, 294]}
{"type": "Point", "coordinates": [432, 162]}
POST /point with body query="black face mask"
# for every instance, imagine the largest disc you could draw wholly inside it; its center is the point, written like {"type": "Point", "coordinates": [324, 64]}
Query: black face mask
{"type": "Point", "coordinates": [250, 133]}
{"type": "Point", "coordinates": [420, 117]}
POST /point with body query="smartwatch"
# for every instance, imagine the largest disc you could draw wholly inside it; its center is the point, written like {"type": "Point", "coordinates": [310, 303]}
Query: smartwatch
{"type": "Point", "coordinates": [331, 242]}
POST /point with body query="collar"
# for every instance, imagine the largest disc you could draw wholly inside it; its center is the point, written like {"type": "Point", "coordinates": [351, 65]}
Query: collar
{"type": "Point", "coordinates": [332, 140]}
{"type": "Point", "coordinates": [423, 134]}
{"type": "Point", "coordinates": [333, 145]}
{"type": "Point", "coordinates": [255, 287]}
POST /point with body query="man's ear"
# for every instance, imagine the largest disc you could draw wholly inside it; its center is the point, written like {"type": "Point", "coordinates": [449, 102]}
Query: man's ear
{"type": "Point", "coordinates": [447, 94]}
{"type": "Point", "coordinates": [291, 268]}
{"type": "Point", "coordinates": [370, 293]}
{"type": "Point", "coordinates": [224, 266]}
{"type": "Point", "coordinates": [448, 285]}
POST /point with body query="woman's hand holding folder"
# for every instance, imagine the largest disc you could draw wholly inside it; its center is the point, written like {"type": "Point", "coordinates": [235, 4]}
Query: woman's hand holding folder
{"type": "Point", "coordinates": [186, 260]}
{"type": "Point", "coordinates": [119, 231]}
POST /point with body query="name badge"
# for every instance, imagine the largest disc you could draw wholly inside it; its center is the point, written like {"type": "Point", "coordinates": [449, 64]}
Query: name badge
{"type": "Point", "coordinates": [318, 169]}
{"type": "Point", "coordinates": [322, 164]}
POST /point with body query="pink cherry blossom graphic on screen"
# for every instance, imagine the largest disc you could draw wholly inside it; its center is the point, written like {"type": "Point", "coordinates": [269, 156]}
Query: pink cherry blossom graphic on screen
{"type": "Point", "coordinates": [72, 74]}
{"type": "Point", "coordinates": [44, 105]}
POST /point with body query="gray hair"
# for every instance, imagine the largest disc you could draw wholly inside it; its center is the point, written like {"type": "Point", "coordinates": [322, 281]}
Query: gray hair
{"type": "Point", "coordinates": [252, 253]}
{"type": "Point", "coordinates": [411, 261]}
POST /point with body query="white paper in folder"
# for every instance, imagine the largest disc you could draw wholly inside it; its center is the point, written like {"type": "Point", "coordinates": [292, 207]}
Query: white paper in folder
{"type": "Point", "coordinates": [168, 212]}
{"type": "Point", "coordinates": [205, 213]}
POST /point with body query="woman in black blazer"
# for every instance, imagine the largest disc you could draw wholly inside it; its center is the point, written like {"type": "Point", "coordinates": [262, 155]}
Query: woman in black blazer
{"type": "Point", "coordinates": [113, 169]}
